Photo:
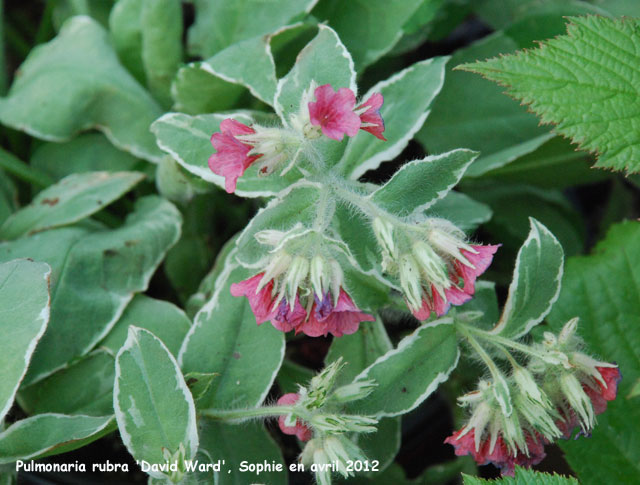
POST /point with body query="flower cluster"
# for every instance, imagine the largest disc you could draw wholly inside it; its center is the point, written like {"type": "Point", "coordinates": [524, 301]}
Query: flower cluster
{"type": "Point", "coordinates": [557, 392]}
{"type": "Point", "coordinates": [301, 290]}
{"type": "Point", "coordinates": [239, 146]}
{"type": "Point", "coordinates": [434, 263]}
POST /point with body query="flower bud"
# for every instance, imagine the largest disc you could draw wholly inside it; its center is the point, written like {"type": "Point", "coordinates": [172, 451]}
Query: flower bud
{"type": "Point", "coordinates": [383, 231]}
{"type": "Point", "coordinates": [410, 281]}
{"type": "Point", "coordinates": [568, 331]}
{"type": "Point", "coordinates": [354, 391]}
{"type": "Point", "coordinates": [578, 400]}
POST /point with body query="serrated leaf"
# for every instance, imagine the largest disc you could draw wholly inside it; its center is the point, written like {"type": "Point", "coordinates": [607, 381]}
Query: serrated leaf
{"type": "Point", "coordinates": [407, 100]}
{"type": "Point", "coordinates": [369, 28]}
{"type": "Point", "coordinates": [411, 371]}
{"type": "Point", "coordinates": [226, 340]}
{"type": "Point", "coordinates": [602, 290]}
{"type": "Point", "coordinates": [154, 407]}
{"type": "Point", "coordinates": [421, 183]}
{"type": "Point", "coordinates": [535, 285]}
{"type": "Point", "coordinates": [24, 314]}
{"type": "Point", "coordinates": [217, 83]}
{"type": "Point", "coordinates": [188, 139]}
{"type": "Point", "coordinates": [324, 60]}
{"type": "Point", "coordinates": [523, 476]}
{"type": "Point", "coordinates": [94, 274]}
{"type": "Point", "coordinates": [165, 320]}
{"type": "Point", "coordinates": [220, 24]}
{"type": "Point", "coordinates": [585, 82]}
{"type": "Point", "coordinates": [87, 152]}
{"type": "Point", "coordinates": [247, 442]}
{"type": "Point", "coordinates": [51, 434]}
{"type": "Point", "coordinates": [75, 83]}
{"type": "Point", "coordinates": [70, 200]}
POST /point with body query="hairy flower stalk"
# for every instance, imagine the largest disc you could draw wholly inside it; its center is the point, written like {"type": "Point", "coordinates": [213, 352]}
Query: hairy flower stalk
{"type": "Point", "coordinates": [550, 397]}
{"type": "Point", "coordinates": [435, 264]}
{"type": "Point", "coordinates": [301, 289]}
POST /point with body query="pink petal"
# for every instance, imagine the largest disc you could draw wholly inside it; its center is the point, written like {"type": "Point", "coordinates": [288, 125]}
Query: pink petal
{"type": "Point", "coordinates": [342, 319]}
{"type": "Point", "coordinates": [456, 296]}
{"type": "Point", "coordinates": [424, 311]}
{"type": "Point", "coordinates": [480, 260]}
{"type": "Point", "coordinates": [285, 319]}
{"type": "Point", "coordinates": [439, 305]}
{"type": "Point", "coordinates": [372, 116]}
{"type": "Point", "coordinates": [333, 112]}
{"type": "Point", "coordinates": [612, 377]}
{"type": "Point", "coordinates": [260, 301]}
{"type": "Point", "coordinates": [231, 159]}
{"type": "Point", "coordinates": [300, 429]}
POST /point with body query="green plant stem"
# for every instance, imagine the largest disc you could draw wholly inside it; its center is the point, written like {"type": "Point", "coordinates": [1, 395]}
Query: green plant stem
{"type": "Point", "coordinates": [482, 353]}
{"type": "Point", "coordinates": [263, 412]}
{"type": "Point", "coordinates": [22, 170]}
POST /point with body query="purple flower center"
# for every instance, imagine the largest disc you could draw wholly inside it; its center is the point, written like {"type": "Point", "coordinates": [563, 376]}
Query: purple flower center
{"type": "Point", "coordinates": [324, 307]}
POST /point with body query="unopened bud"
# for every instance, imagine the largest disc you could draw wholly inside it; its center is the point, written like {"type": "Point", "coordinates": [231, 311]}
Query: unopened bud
{"type": "Point", "coordinates": [384, 234]}
{"type": "Point", "coordinates": [568, 331]}
{"type": "Point", "coordinates": [410, 280]}
{"type": "Point", "coordinates": [354, 391]}
{"type": "Point", "coordinates": [322, 384]}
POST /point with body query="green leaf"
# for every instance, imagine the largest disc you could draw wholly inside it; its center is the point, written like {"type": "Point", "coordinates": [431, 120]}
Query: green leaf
{"type": "Point", "coordinates": [75, 83]}
{"type": "Point", "coordinates": [161, 24]}
{"type": "Point", "coordinates": [292, 375]}
{"type": "Point", "coordinates": [472, 112]}
{"type": "Point", "coordinates": [296, 206]}
{"type": "Point", "coordinates": [188, 140]}
{"type": "Point", "coordinates": [461, 210]}
{"type": "Point", "coordinates": [586, 83]}
{"type": "Point", "coordinates": [523, 476]}
{"type": "Point", "coordinates": [421, 183]}
{"type": "Point", "coordinates": [535, 285]}
{"type": "Point", "coordinates": [154, 407]}
{"type": "Point", "coordinates": [217, 83]}
{"type": "Point", "coordinates": [602, 290]}
{"type": "Point", "coordinates": [51, 434]}
{"type": "Point", "coordinates": [126, 35]}
{"type": "Point", "coordinates": [89, 152]}
{"type": "Point", "coordinates": [85, 387]}
{"type": "Point", "coordinates": [369, 28]}
{"type": "Point", "coordinates": [408, 374]}
{"type": "Point", "coordinates": [324, 60]}
{"type": "Point", "coordinates": [165, 320]}
{"type": "Point", "coordinates": [247, 442]}
{"type": "Point", "coordinates": [70, 200]}
{"type": "Point", "coordinates": [221, 24]}
{"type": "Point", "coordinates": [226, 340]}
{"type": "Point", "coordinates": [8, 197]}
{"type": "Point", "coordinates": [96, 274]}
{"type": "Point", "coordinates": [24, 313]}
{"type": "Point", "coordinates": [408, 96]}
{"type": "Point", "coordinates": [359, 351]}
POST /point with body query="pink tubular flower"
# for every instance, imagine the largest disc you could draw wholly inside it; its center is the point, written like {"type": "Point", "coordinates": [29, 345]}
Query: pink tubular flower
{"type": "Point", "coordinates": [370, 117]}
{"type": "Point", "coordinates": [232, 156]}
{"type": "Point", "coordinates": [323, 318]}
{"type": "Point", "coordinates": [498, 454]}
{"type": "Point", "coordinates": [338, 320]}
{"type": "Point", "coordinates": [480, 260]}
{"type": "Point", "coordinates": [299, 429]}
{"type": "Point", "coordinates": [333, 112]}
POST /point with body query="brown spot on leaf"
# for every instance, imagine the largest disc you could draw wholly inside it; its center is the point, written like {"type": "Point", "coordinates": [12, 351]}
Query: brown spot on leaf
{"type": "Point", "coordinates": [236, 355]}
{"type": "Point", "coordinates": [50, 202]}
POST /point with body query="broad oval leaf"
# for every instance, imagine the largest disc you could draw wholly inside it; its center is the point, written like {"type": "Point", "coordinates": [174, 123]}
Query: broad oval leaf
{"type": "Point", "coordinates": [70, 200]}
{"type": "Point", "coordinates": [226, 340]}
{"type": "Point", "coordinates": [94, 274]}
{"type": "Point", "coordinates": [154, 407]}
{"type": "Point", "coordinates": [421, 183]}
{"type": "Point", "coordinates": [24, 314]}
{"type": "Point", "coordinates": [75, 83]}
{"type": "Point", "coordinates": [535, 285]}
{"type": "Point", "coordinates": [324, 60]}
{"type": "Point", "coordinates": [411, 372]}
{"type": "Point", "coordinates": [51, 434]}
{"type": "Point", "coordinates": [407, 100]}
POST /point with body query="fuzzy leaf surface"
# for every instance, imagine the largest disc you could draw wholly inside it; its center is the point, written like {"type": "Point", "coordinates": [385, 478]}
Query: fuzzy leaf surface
{"type": "Point", "coordinates": [586, 82]}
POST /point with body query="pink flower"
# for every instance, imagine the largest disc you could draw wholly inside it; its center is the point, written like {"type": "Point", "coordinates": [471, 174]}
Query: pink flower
{"type": "Point", "coordinates": [324, 317]}
{"type": "Point", "coordinates": [500, 455]}
{"type": "Point", "coordinates": [480, 261]}
{"type": "Point", "coordinates": [370, 117]}
{"type": "Point", "coordinates": [232, 156]}
{"type": "Point", "coordinates": [333, 112]}
{"type": "Point", "coordinates": [300, 429]}
{"type": "Point", "coordinates": [341, 319]}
